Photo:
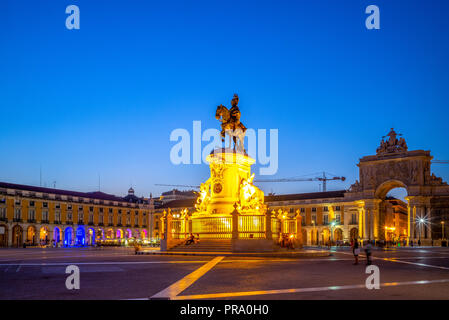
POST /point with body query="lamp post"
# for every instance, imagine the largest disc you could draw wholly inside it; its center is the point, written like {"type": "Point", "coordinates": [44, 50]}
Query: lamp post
{"type": "Point", "coordinates": [442, 230]}
{"type": "Point", "coordinates": [314, 233]}
{"type": "Point", "coordinates": [421, 221]}
{"type": "Point", "coordinates": [332, 231]}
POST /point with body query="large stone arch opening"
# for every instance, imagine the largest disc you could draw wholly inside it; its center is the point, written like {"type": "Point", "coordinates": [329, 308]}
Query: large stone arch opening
{"type": "Point", "coordinates": [384, 188]}
{"type": "Point", "coordinates": [393, 212]}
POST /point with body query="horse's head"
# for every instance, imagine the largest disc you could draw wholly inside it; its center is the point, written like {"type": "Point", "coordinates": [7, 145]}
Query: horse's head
{"type": "Point", "coordinates": [221, 113]}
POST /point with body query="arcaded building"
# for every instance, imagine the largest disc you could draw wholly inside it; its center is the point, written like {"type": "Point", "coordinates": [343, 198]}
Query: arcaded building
{"type": "Point", "coordinates": [34, 215]}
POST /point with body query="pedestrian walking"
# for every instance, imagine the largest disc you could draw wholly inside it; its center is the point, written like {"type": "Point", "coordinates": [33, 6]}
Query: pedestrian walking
{"type": "Point", "coordinates": [368, 249]}
{"type": "Point", "coordinates": [356, 251]}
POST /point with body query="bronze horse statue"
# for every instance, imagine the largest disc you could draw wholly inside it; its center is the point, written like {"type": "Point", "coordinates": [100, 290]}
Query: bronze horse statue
{"type": "Point", "coordinates": [231, 125]}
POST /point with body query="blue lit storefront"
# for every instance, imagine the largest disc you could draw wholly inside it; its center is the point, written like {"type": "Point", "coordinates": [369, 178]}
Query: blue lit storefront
{"type": "Point", "coordinates": [68, 237]}
{"type": "Point", "coordinates": [80, 239]}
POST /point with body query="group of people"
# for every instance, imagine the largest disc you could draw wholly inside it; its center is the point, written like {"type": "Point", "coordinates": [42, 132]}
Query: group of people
{"type": "Point", "coordinates": [42, 243]}
{"type": "Point", "coordinates": [287, 241]}
{"type": "Point", "coordinates": [191, 239]}
{"type": "Point", "coordinates": [356, 251]}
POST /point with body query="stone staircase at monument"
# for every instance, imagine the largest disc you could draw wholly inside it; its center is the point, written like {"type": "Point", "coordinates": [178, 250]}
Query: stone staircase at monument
{"type": "Point", "coordinates": [206, 245]}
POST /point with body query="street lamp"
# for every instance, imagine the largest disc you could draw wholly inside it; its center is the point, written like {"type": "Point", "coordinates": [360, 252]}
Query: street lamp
{"type": "Point", "coordinates": [332, 231]}
{"type": "Point", "coordinates": [314, 233]}
{"type": "Point", "coordinates": [421, 222]}
{"type": "Point", "coordinates": [442, 230]}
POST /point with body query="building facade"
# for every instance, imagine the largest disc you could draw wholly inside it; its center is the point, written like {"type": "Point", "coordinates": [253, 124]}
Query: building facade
{"type": "Point", "coordinates": [44, 216]}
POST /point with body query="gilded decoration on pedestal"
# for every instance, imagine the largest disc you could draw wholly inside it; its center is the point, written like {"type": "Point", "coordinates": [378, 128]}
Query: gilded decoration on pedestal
{"type": "Point", "coordinates": [251, 197]}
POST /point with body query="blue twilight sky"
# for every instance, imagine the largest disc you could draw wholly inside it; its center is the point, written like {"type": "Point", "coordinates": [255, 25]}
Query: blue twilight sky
{"type": "Point", "coordinates": [104, 99]}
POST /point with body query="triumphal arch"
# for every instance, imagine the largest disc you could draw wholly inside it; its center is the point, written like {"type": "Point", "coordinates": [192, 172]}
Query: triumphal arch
{"type": "Point", "coordinates": [394, 166]}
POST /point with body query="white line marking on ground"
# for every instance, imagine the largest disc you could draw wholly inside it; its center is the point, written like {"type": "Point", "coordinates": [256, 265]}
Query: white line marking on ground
{"type": "Point", "coordinates": [159, 262]}
{"type": "Point", "coordinates": [59, 257]}
{"type": "Point", "coordinates": [416, 264]}
{"type": "Point", "coordinates": [179, 286]}
{"type": "Point", "coordinates": [96, 263]}
{"type": "Point", "coordinates": [18, 268]}
{"type": "Point", "coordinates": [405, 262]}
{"type": "Point", "coordinates": [302, 290]}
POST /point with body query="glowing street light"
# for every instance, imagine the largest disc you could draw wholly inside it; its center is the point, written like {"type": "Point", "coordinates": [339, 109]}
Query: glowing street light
{"type": "Point", "coordinates": [333, 223]}
{"type": "Point", "coordinates": [421, 221]}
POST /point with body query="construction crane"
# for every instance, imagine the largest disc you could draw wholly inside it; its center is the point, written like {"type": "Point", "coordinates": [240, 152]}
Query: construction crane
{"type": "Point", "coordinates": [441, 161]}
{"type": "Point", "coordinates": [324, 179]}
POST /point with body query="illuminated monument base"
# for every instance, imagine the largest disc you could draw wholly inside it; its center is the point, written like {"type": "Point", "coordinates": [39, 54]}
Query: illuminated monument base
{"type": "Point", "coordinates": [231, 209]}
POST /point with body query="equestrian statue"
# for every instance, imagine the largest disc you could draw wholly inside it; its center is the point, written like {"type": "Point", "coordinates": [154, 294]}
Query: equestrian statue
{"type": "Point", "coordinates": [231, 125]}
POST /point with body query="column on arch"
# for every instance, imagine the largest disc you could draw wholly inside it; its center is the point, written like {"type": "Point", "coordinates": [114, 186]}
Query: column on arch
{"type": "Point", "coordinates": [411, 222]}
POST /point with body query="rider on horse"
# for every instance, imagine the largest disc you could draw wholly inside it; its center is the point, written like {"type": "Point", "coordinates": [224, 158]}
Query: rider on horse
{"type": "Point", "coordinates": [230, 123]}
{"type": "Point", "coordinates": [235, 111]}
